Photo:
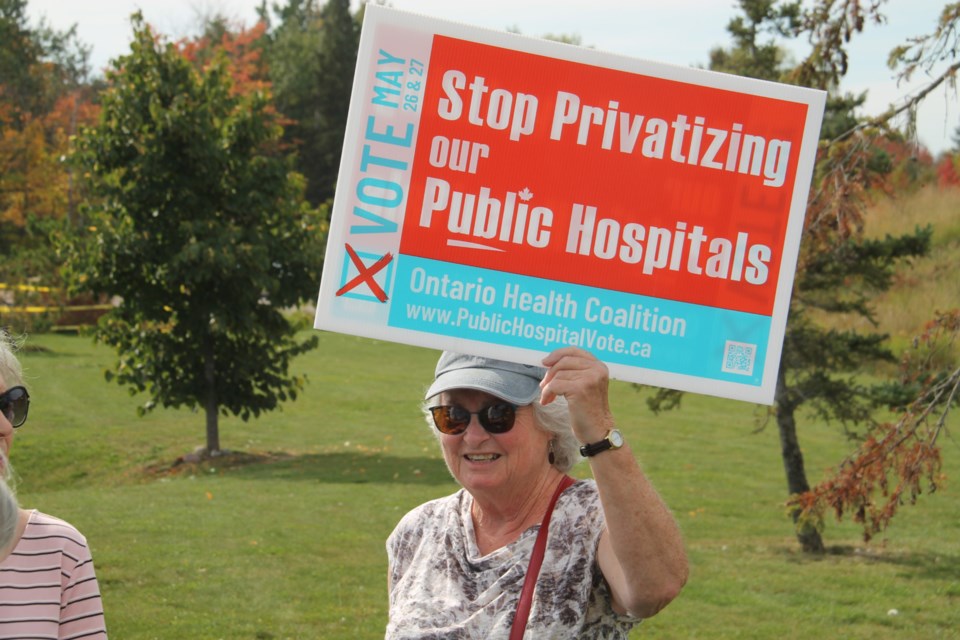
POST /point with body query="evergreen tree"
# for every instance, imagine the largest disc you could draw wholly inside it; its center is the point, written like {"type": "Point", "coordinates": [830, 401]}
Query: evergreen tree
{"type": "Point", "coordinates": [337, 62]}
{"type": "Point", "coordinates": [311, 55]}
{"type": "Point", "coordinates": [750, 57]}
{"type": "Point", "coordinates": [837, 275]}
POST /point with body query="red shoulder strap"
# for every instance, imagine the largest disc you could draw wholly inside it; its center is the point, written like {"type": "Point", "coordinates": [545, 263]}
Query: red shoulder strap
{"type": "Point", "coordinates": [533, 570]}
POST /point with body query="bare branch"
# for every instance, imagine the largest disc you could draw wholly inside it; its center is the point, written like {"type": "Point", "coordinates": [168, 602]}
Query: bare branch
{"type": "Point", "coordinates": [881, 120]}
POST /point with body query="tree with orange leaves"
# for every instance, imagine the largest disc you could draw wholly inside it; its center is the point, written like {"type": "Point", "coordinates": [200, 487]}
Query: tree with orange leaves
{"type": "Point", "coordinates": [839, 272]}
{"type": "Point", "coordinates": [895, 459]}
{"type": "Point", "coordinates": [243, 47]}
{"type": "Point", "coordinates": [44, 98]}
{"type": "Point", "coordinates": [42, 81]}
{"type": "Point", "coordinates": [304, 53]}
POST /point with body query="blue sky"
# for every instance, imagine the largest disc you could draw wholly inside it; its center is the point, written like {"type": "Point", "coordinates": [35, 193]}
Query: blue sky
{"type": "Point", "coordinates": [677, 32]}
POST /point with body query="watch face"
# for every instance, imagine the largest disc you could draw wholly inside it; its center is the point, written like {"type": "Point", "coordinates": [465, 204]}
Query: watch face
{"type": "Point", "coordinates": [616, 438]}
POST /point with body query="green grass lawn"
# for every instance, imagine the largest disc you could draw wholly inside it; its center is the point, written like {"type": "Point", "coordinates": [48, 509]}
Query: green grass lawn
{"type": "Point", "coordinates": [292, 546]}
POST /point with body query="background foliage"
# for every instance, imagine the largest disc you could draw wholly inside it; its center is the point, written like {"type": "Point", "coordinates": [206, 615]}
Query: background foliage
{"type": "Point", "coordinates": [305, 500]}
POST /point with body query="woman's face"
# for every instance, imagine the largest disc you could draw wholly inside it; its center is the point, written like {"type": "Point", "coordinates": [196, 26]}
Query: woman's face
{"type": "Point", "coordinates": [483, 461]}
{"type": "Point", "coordinates": [6, 429]}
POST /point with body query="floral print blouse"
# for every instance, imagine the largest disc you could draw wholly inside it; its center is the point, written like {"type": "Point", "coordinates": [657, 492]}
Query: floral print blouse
{"type": "Point", "coordinates": [441, 587]}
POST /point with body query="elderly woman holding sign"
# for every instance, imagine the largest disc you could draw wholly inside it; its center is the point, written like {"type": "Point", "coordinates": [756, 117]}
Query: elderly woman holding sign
{"type": "Point", "coordinates": [523, 547]}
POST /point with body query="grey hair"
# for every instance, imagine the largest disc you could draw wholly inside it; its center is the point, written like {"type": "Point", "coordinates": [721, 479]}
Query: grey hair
{"type": "Point", "coordinates": [10, 370]}
{"type": "Point", "coordinates": [11, 374]}
{"type": "Point", "coordinates": [553, 418]}
{"type": "Point", "coordinates": [9, 508]}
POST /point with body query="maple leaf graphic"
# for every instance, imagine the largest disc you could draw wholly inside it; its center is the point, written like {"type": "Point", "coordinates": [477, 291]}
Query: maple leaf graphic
{"type": "Point", "coordinates": [526, 194]}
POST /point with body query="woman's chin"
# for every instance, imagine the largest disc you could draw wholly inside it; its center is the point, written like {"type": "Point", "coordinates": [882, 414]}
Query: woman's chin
{"type": "Point", "coordinates": [480, 475]}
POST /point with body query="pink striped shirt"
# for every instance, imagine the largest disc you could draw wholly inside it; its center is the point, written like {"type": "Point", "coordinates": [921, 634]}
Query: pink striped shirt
{"type": "Point", "coordinates": [48, 589]}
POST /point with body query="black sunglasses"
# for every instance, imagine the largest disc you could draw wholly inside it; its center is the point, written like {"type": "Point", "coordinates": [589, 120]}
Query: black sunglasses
{"type": "Point", "coordinates": [453, 420]}
{"type": "Point", "coordinates": [14, 403]}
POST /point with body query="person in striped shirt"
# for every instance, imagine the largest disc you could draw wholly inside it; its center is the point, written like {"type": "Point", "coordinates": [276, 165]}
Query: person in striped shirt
{"type": "Point", "coordinates": [48, 587]}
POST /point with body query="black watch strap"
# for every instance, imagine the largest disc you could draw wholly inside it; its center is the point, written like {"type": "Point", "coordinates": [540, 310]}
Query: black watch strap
{"type": "Point", "coordinates": [613, 440]}
{"type": "Point", "coordinates": [594, 448]}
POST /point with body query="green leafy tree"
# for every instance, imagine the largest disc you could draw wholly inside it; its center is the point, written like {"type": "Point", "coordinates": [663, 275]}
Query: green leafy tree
{"type": "Point", "coordinates": [201, 230]}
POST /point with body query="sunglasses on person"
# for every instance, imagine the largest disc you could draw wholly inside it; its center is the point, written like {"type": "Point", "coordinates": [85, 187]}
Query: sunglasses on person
{"type": "Point", "coordinates": [14, 403]}
{"type": "Point", "coordinates": [453, 420]}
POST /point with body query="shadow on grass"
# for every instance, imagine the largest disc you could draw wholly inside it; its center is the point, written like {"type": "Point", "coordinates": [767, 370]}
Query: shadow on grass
{"type": "Point", "coordinates": [338, 467]}
{"type": "Point", "coordinates": [922, 564]}
{"type": "Point", "coordinates": [39, 350]}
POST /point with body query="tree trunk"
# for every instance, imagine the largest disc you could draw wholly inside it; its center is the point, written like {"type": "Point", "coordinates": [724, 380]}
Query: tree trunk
{"type": "Point", "coordinates": [210, 404]}
{"type": "Point", "coordinates": [807, 535]}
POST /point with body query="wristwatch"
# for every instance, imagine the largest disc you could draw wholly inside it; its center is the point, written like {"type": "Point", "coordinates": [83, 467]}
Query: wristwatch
{"type": "Point", "coordinates": [613, 440]}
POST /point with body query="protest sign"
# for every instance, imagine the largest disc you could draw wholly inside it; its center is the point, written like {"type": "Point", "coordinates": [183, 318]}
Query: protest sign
{"type": "Point", "coordinates": [506, 196]}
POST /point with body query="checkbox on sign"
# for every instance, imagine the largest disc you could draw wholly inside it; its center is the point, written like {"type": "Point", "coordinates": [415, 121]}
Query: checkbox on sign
{"type": "Point", "coordinates": [365, 275]}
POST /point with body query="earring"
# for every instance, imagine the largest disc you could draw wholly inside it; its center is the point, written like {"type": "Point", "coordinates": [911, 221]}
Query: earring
{"type": "Point", "coordinates": [551, 456]}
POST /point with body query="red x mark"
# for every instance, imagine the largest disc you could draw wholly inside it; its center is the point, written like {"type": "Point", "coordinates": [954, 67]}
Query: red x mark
{"type": "Point", "coordinates": [366, 274]}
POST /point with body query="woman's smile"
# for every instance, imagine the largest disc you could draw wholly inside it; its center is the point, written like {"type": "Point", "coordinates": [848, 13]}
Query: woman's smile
{"type": "Point", "coordinates": [481, 457]}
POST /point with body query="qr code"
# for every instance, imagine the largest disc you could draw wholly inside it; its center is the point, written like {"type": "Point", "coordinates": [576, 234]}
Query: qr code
{"type": "Point", "coordinates": [738, 358]}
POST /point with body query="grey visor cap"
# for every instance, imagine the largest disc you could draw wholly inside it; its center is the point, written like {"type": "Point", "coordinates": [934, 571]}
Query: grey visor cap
{"type": "Point", "coordinates": [516, 383]}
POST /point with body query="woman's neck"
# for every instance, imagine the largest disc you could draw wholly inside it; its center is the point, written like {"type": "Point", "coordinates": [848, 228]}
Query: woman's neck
{"type": "Point", "coordinates": [499, 520]}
